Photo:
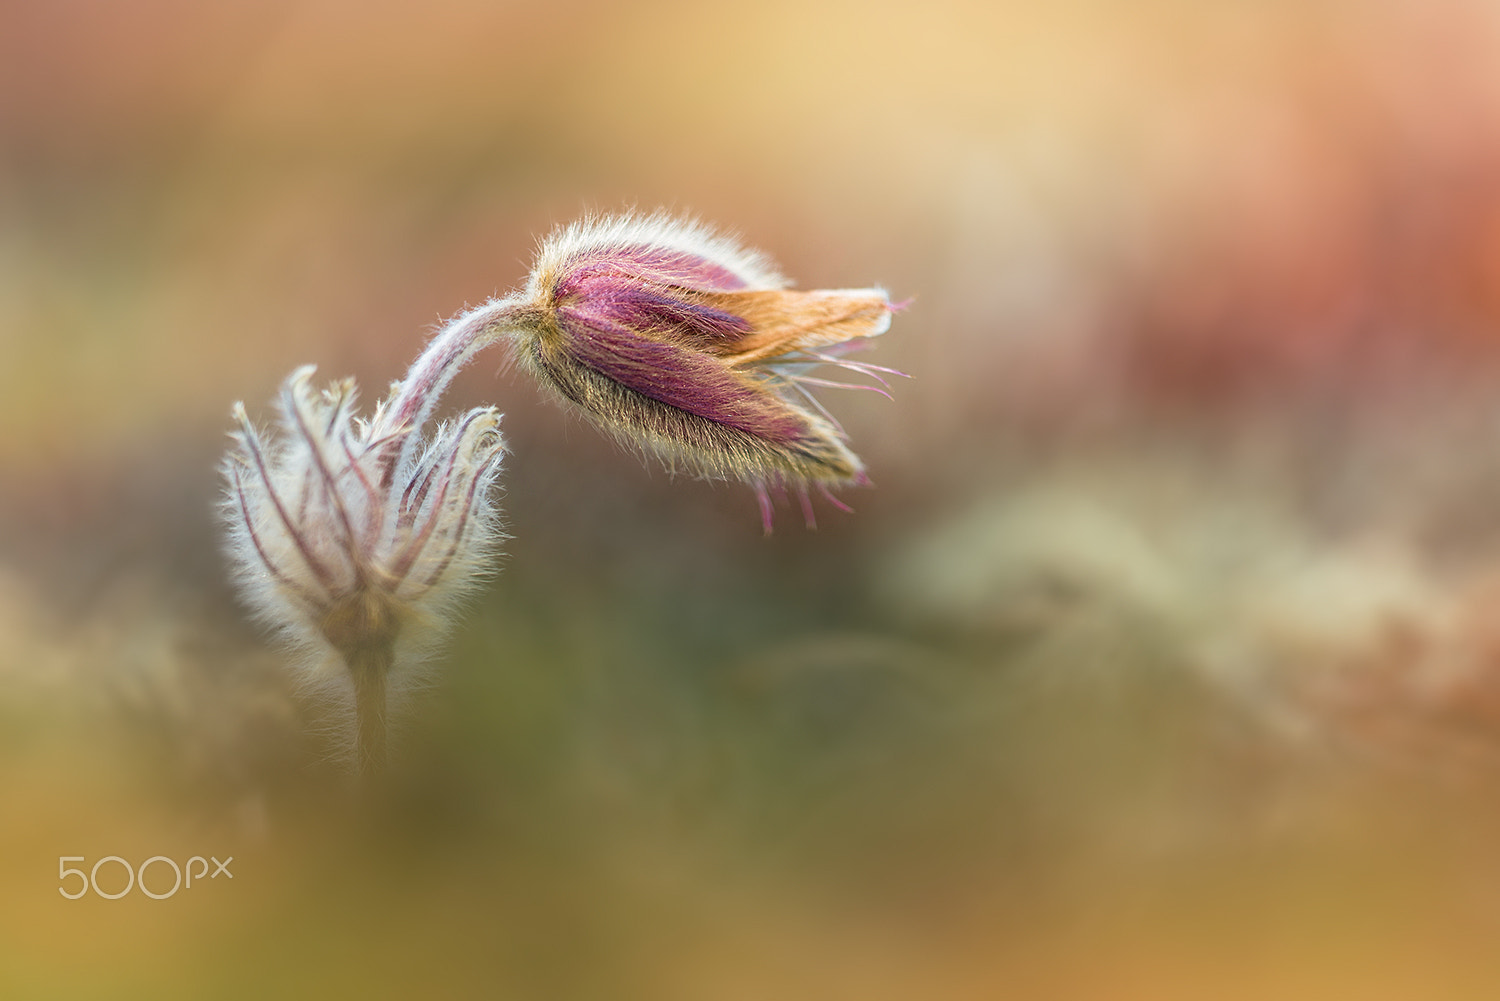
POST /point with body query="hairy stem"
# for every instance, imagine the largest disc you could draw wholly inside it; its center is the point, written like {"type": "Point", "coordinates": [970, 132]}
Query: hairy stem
{"type": "Point", "coordinates": [444, 355]}
{"type": "Point", "coordinates": [368, 666]}
{"type": "Point", "coordinates": [362, 627]}
{"type": "Point", "coordinates": [417, 394]}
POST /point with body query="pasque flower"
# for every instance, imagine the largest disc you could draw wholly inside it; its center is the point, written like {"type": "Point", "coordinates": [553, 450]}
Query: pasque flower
{"type": "Point", "coordinates": [681, 341]}
{"type": "Point", "coordinates": [355, 538]}
{"type": "Point", "coordinates": [359, 537]}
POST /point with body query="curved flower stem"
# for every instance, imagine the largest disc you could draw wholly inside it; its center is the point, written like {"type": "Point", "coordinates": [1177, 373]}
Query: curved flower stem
{"type": "Point", "coordinates": [415, 396]}
{"type": "Point", "coordinates": [445, 354]}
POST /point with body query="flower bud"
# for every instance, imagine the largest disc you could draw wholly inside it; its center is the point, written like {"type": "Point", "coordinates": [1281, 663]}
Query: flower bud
{"type": "Point", "coordinates": [683, 342]}
{"type": "Point", "coordinates": [360, 537]}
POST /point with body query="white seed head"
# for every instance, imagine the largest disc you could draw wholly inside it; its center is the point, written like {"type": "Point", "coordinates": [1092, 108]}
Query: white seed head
{"type": "Point", "coordinates": [343, 533]}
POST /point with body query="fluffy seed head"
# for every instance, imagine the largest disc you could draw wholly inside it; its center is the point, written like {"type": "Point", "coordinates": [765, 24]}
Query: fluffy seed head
{"type": "Point", "coordinates": [359, 535]}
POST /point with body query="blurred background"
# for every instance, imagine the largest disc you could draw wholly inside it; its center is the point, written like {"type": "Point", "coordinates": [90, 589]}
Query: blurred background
{"type": "Point", "coordinates": [1160, 663]}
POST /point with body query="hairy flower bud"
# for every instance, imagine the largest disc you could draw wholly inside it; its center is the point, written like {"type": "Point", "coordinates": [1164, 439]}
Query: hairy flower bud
{"type": "Point", "coordinates": [681, 341]}
{"type": "Point", "coordinates": [358, 537]}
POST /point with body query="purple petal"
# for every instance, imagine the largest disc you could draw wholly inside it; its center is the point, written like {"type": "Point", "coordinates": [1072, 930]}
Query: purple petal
{"type": "Point", "coordinates": [677, 376]}
{"type": "Point", "coordinates": [653, 264]}
{"type": "Point", "coordinates": [609, 300]}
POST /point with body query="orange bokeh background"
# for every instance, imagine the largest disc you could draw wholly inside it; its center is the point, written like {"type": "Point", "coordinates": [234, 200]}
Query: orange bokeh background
{"type": "Point", "coordinates": [1159, 664]}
